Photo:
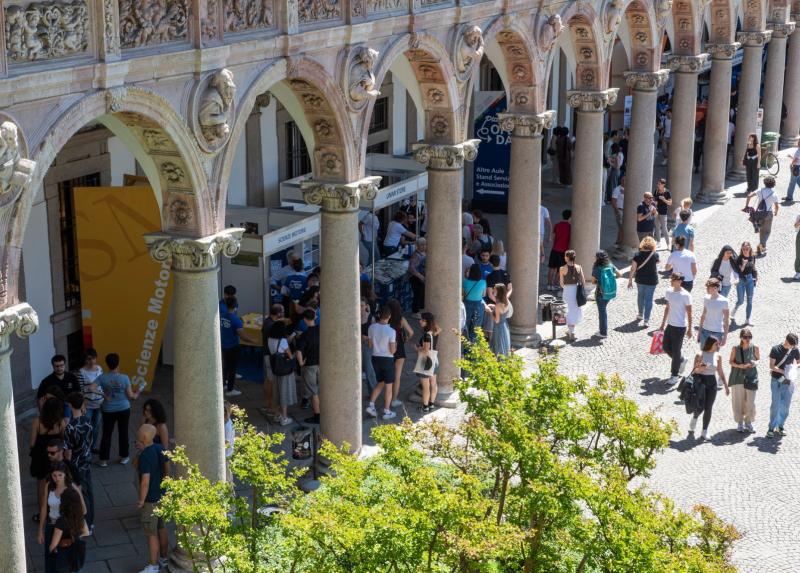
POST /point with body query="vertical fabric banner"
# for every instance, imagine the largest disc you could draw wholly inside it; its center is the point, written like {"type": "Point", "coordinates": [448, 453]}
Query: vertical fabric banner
{"type": "Point", "coordinates": [491, 167]}
{"type": "Point", "coordinates": [125, 294]}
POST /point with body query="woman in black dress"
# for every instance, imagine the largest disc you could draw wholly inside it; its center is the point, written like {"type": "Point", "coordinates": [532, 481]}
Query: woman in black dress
{"type": "Point", "coordinates": [752, 161]}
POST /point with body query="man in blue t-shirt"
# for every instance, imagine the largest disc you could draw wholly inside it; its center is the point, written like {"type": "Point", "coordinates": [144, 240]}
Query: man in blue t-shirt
{"type": "Point", "coordinates": [228, 293]}
{"type": "Point", "coordinates": [295, 284]}
{"type": "Point", "coordinates": [152, 468]}
{"type": "Point", "coordinates": [231, 330]}
{"type": "Point", "coordinates": [483, 261]}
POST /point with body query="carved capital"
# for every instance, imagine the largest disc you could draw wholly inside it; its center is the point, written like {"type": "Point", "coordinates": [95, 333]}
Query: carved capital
{"type": "Point", "coordinates": [19, 319]}
{"type": "Point", "coordinates": [339, 197]}
{"type": "Point", "coordinates": [194, 255]}
{"type": "Point", "coordinates": [646, 81]}
{"type": "Point", "coordinates": [592, 100]}
{"type": "Point", "coordinates": [527, 124]}
{"type": "Point", "coordinates": [753, 39]}
{"type": "Point", "coordinates": [687, 64]}
{"type": "Point", "coordinates": [781, 29]}
{"type": "Point", "coordinates": [446, 157]}
{"type": "Point", "coordinates": [722, 51]}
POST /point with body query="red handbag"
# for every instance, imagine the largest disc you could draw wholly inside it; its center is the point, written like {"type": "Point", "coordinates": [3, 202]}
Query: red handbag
{"type": "Point", "coordinates": [657, 344]}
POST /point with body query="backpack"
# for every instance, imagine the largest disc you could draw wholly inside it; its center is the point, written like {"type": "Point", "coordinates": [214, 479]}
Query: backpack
{"type": "Point", "coordinates": [608, 283]}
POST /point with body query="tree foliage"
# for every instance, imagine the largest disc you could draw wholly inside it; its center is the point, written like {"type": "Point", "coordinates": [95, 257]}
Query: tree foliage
{"type": "Point", "coordinates": [544, 474]}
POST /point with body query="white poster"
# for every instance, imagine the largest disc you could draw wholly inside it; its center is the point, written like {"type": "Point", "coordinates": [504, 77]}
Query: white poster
{"type": "Point", "coordinates": [759, 122]}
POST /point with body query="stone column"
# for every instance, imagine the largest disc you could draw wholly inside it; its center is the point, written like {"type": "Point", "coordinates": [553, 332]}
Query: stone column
{"type": "Point", "coordinates": [22, 321]}
{"type": "Point", "coordinates": [587, 192]}
{"type": "Point", "coordinates": [773, 82]}
{"type": "Point", "coordinates": [749, 88]}
{"type": "Point", "coordinates": [340, 366]}
{"type": "Point", "coordinates": [198, 355]}
{"type": "Point", "coordinates": [791, 87]}
{"type": "Point", "coordinates": [524, 199]}
{"type": "Point", "coordinates": [684, 108]}
{"type": "Point", "coordinates": [641, 150]}
{"type": "Point", "coordinates": [715, 145]}
{"type": "Point", "coordinates": [445, 165]}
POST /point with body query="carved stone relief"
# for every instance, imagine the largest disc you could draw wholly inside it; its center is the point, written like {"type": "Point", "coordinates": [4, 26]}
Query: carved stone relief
{"type": "Point", "coordinates": [468, 52]}
{"type": "Point", "coordinates": [378, 6]}
{"type": "Point", "coordinates": [241, 15]}
{"type": "Point", "coordinates": [152, 22]}
{"type": "Point", "coordinates": [663, 9]}
{"type": "Point", "coordinates": [356, 8]}
{"type": "Point", "coordinates": [360, 77]}
{"type": "Point", "coordinates": [179, 210]}
{"type": "Point", "coordinates": [318, 10]}
{"type": "Point", "coordinates": [592, 101]}
{"type": "Point", "coordinates": [15, 171]}
{"type": "Point", "coordinates": [614, 10]}
{"type": "Point", "coordinates": [47, 30]}
{"type": "Point", "coordinates": [173, 172]}
{"type": "Point", "coordinates": [111, 39]}
{"type": "Point", "coordinates": [439, 125]}
{"type": "Point", "coordinates": [435, 96]}
{"type": "Point", "coordinates": [209, 23]}
{"type": "Point", "coordinates": [215, 109]}
{"type": "Point", "coordinates": [329, 163]}
{"type": "Point", "coordinates": [155, 140]}
{"type": "Point", "coordinates": [549, 32]}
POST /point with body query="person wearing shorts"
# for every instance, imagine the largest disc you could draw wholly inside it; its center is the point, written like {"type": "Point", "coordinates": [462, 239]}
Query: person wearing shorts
{"type": "Point", "coordinates": [308, 358]}
{"type": "Point", "coordinates": [561, 236]}
{"type": "Point", "coordinates": [383, 343]}
{"type": "Point", "coordinates": [152, 469]}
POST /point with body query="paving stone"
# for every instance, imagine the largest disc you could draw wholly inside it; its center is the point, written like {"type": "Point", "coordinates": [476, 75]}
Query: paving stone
{"type": "Point", "coordinates": [108, 532]}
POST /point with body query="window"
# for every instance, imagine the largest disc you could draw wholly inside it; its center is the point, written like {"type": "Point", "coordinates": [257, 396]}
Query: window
{"type": "Point", "coordinates": [69, 238]}
{"type": "Point", "coordinates": [297, 159]}
{"type": "Point", "coordinates": [382, 147]}
{"type": "Point", "coordinates": [380, 115]}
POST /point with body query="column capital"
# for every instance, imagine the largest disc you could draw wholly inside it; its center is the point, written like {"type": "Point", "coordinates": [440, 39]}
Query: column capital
{"type": "Point", "coordinates": [646, 81]}
{"type": "Point", "coordinates": [687, 64]}
{"type": "Point", "coordinates": [723, 51]}
{"type": "Point", "coordinates": [194, 255]}
{"type": "Point", "coordinates": [446, 157]}
{"type": "Point", "coordinates": [526, 124]}
{"type": "Point", "coordinates": [592, 101]}
{"type": "Point", "coordinates": [19, 319]}
{"type": "Point", "coordinates": [781, 29]}
{"type": "Point", "coordinates": [753, 39]}
{"type": "Point", "coordinates": [339, 197]}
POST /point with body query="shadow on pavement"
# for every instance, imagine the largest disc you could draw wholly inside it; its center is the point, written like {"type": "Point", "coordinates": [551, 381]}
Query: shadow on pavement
{"type": "Point", "coordinates": [655, 387]}
{"type": "Point", "coordinates": [766, 445]}
{"type": "Point", "coordinates": [629, 327]}
{"type": "Point", "coordinates": [587, 342]}
{"type": "Point", "coordinates": [728, 437]}
{"type": "Point", "coordinates": [688, 443]}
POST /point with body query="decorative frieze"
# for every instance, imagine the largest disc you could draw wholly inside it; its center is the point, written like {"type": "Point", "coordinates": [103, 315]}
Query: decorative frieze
{"type": "Point", "coordinates": [526, 124]}
{"type": "Point", "coordinates": [340, 197]}
{"type": "Point", "coordinates": [753, 39]}
{"type": "Point", "coordinates": [317, 10]}
{"type": "Point", "coordinates": [722, 51]}
{"type": "Point", "coordinates": [152, 22]}
{"type": "Point", "coordinates": [646, 81]}
{"type": "Point", "coordinates": [446, 157]}
{"type": "Point", "coordinates": [687, 64]}
{"type": "Point", "coordinates": [194, 255]}
{"type": "Point", "coordinates": [46, 30]}
{"type": "Point", "coordinates": [592, 101]}
{"type": "Point", "coordinates": [242, 15]}
{"type": "Point", "coordinates": [19, 319]}
{"type": "Point", "coordinates": [110, 37]}
{"type": "Point", "coordinates": [380, 6]}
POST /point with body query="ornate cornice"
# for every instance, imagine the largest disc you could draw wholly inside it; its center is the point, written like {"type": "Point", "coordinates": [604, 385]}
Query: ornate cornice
{"type": "Point", "coordinates": [194, 255]}
{"type": "Point", "coordinates": [722, 51]}
{"type": "Point", "coordinates": [753, 39]}
{"type": "Point", "coordinates": [646, 81]}
{"type": "Point", "coordinates": [526, 124]}
{"type": "Point", "coordinates": [339, 197]}
{"type": "Point", "coordinates": [592, 100]}
{"type": "Point", "coordinates": [19, 319]}
{"type": "Point", "coordinates": [687, 64]}
{"type": "Point", "coordinates": [781, 29]}
{"type": "Point", "coordinates": [446, 157]}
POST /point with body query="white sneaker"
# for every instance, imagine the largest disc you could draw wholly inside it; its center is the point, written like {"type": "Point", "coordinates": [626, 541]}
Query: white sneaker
{"type": "Point", "coordinates": [372, 411]}
{"type": "Point", "coordinates": [598, 335]}
{"type": "Point", "coordinates": [150, 569]}
{"type": "Point", "coordinates": [124, 461]}
{"type": "Point", "coordinates": [673, 380]}
{"type": "Point", "coordinates": [740, 427]}
{"type": "Point", "coordinates": [285, 421]}
{"type": "Point", "coordinates": [397, 403]}
{"type": "Point", "coordinates": [639, 317]}
{"type": "Point", "coordinates": [704, 435]}
{"type": "Point", "coordinates": [749, 322]}
{"type": "Point", "coordinates": [682, 367]}
{"type": "Point", "coordinates": [388, 415]}
{"type": "Point", "coordinates": [693, 424]}
{"type": "Point", "coordinates": [233, 392]}
{"type": "Point", "coordinates": [645, 323]}
{"type": "Point", "coordinates": [749, 427]}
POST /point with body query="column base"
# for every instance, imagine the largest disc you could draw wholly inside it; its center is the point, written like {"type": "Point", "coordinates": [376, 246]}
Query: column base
{"type": "Point", "coordinates": [713, 196]}
{"type": "Point", "coordinates": [737, 175]}
{"type": "Point", "coordinates": [788, 141]}
{"type": "Point", "coordinates": [624, 252]}
{"type": "Point", "coordinates": [525, 337]}
{"type": "Point", "coordinates": [180, 562]}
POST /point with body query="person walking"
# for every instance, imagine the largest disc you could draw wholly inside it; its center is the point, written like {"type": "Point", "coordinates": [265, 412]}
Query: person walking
{"type": "Point", "coordinates": [683, 262]}
{"type": "Point", "coordinates": [404, 332]}
{"type": "Point", "coordinates": [416, 276]}
{"type": "Point", "coordinates": [646, 216]}
{"type": "Point", "coordinates": [78, 440]}
{"type": "Point", "coordinates": [571, 279]}
{"type": "Point", "coordinates": [744, 265]}
{"type": "Point", "coordinates": [428, 341]}
{"type": "Point", "coordinates": [116, 409]}
{"type": "Point", "coordinates": [707, 366]}
{"type": "Point", "coordinates": [383, 342]}
{"type": "Point", "coordinates": [152, 468]}
{"type": "Point", "coordinates": [715, 319]}
{"type": "Point", "coordinates": [283, 368]}
{"type": "Point", "coordinates": [644, 270]}
{"type": "Point", "coordinates": [751, 160]}
{"type": "Point", "coordinates": [678, 322]}
{"type": "Point", "coordinates": [87, 376]}
{"type": "Point", "coordinates": [66, 544]}
{"type": "Point", "coordinates": [794, 175]}
{"type": "Point", "coordinates": [722, 269]}
{"type": "Point", "coordinates": [474, 287]}
{"type": "Point", "coordinates": [743, 381]}
{"type": "Point", "coordinates": [564, 156]}
{"type": "Point", "coordinates": [766, 208]}
{"type": "Point", "coordinates": [783, 362]}
{"type": "Point", "coordinates": [49, 424]}
{"type": "Point", "coordinates": [59, 480]}
{"type": "Point", "coordinates": [663, 200]}
{"type": "Point", "coordinates": [307, 354]}
{"type": "Point", "coordinates": [500, 311]}
{"type": "Point", "coordinates": [797, 249]}
{"type": "Point", "coordinates": [562, 232]}
{"type": "Point", "coordinates": [604, 275]}
{"type": "Point", "coordinates": [684, 229]}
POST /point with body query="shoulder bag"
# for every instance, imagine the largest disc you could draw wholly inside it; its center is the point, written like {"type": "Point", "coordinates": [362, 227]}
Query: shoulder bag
{"type": "Point", "coordinates": [750, 379]}
{"type": "Point", "coordinates": [644, 263]}
{"type": "Point", "coordinates": [580, 292]}
{"type": "Point", "coordinates": [427, 362]}
{"type": "Point", "coordinates": [784, 379]}
{"type": "Point", "coordinates": [281, 364]}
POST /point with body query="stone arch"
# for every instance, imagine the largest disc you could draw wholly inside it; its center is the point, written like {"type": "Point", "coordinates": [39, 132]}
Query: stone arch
{"type": "Point", "coordinates": [685, 38]}
{"type": "Point", "coordinates": [590, 72]}
{"type": "Point", "coordinates": [511, 50]}
{"type": "Point", "coordinates": [639, 34]}
{"type": "Point", "coordinates": [424, 66]}
{"type": "Point", "coordinates": [778, 11]}
{"type": "Point", "coordinates": [754, 15]}
{"type": "Point", "coordinates": [721, 21]}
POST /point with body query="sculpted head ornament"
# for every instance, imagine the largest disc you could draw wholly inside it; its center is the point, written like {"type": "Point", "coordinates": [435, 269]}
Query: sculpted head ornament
{"type": "Point", "coordinates": [470, 50]}
{"type": "Point", "coordinates": [550, 32]}
{"type": "Point", "coordinates": [361, 78]}
{"type": "Point", "coordinates": [15, 172]}
{"type": "Point", "coordinates": [215, 106]}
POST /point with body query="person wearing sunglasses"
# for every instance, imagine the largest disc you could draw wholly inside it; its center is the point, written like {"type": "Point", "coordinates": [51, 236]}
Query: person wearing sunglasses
{"type": "Point", "coordinates": [743, 381]}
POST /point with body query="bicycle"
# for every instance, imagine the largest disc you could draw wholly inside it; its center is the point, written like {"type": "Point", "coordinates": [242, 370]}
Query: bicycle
{"type": "Point", "coordinates": [772, 164]}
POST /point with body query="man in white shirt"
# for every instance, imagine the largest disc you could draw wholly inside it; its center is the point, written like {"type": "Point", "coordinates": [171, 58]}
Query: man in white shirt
{"type": "Point", "coordinates": [716, 318]}
{"type": "Point", "coordinates": [383, 343]}
{"type": "Point", "coordinates": [770, 205]}
{"type": "Point", "coordinates": [678, 322]}
{"type": "Point", "coordinates": [618, 203]}
{"type": "Point", "coordinates": [794, 175]}
{"type": "Point", "coordinates": [683, 262]}
{"type": "Point", "coordinates": [368, 226]}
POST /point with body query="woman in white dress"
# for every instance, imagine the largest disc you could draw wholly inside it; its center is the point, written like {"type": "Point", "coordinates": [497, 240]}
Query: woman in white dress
{"type": "Point", "coordinates": [571, 278]}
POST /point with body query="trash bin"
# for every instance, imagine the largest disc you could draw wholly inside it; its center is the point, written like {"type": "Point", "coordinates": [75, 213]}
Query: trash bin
{"type": "Point", "coordinates": [545, 301]}
{"type": "Point", "coordinates": [769, 144]}
{"type": "Point", "coordinates": [559, 309]}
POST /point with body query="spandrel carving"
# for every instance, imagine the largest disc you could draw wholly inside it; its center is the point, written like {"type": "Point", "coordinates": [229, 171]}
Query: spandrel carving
{"type": "Point", "coordinates": [15, 171]}
{"type": "Point", "coordinates": [43, 31]}
{"type": "Point", "coordinates": [243, 15]}
{"type": "Point", "coordinates": [151, 22]}
{"type": "Point", "coordinates": [318, 10]}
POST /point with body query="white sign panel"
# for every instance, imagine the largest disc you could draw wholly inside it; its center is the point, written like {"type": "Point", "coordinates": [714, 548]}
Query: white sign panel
{"type": "Point", "coordinates": [395, 193]}
{"type": "Point", "coordinates": [759, 122]}
{"type": "Point", "coordinates": [290, 235]}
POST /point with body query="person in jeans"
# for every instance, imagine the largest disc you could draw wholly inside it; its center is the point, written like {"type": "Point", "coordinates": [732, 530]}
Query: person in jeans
{"type": "Point", "coordinates": [766, 200]}
{"type": "Point", "coordinates": [307, 352]}
{"type": "Point", "coordinates": [663, 200]}
{"type": "Point", "coordinates": [741, 381]}
{"type": "Point", "coordinates": [716, 318]}
{"type": "Point", "coordinates": [707, 363]}
{"type": "Point", "coordinates": [78, 439]}
{"type": "Point", "coordinates": [722, 269]}
{"type": "Point", "coordinates": [797, 248]}
{"type": "Point", "coordinates": [416, 276]}
{"type": "Point", "coordinates": [794, 176]}
{"type": "Point", "coordinates": [94, 397]}
{"type": "Point", "coordinates": [231, 329]}
{"type": "Point", "coordinates": [152, 468]}
{"type": "Point", "coordinates": [744, 265]}
{"type": "Point", "coordinates": [118, 392]}
{"type": "Point", "coordinates": [644, 270]}
{"type": "Point", "coordinates": [678, 322]}
{"type": "Point", "coordinates": [683, 262]}
{"type": "Point", "coordinates": [602, 262]}
{"type": "Point", "coordinates": [783, 361]}
{"type": "Point", "coordinates": [474, 287]}
{"type": "Point", "coordinates": [383, 342]}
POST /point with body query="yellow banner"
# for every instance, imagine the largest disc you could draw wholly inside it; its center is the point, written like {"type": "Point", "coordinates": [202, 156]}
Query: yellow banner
{"type": "Point", "coordinates": [125, 294]}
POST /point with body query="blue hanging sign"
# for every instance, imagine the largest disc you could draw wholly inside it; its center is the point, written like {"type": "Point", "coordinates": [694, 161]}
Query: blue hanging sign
{"type": "Point", "coordinates": [490, 169]}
